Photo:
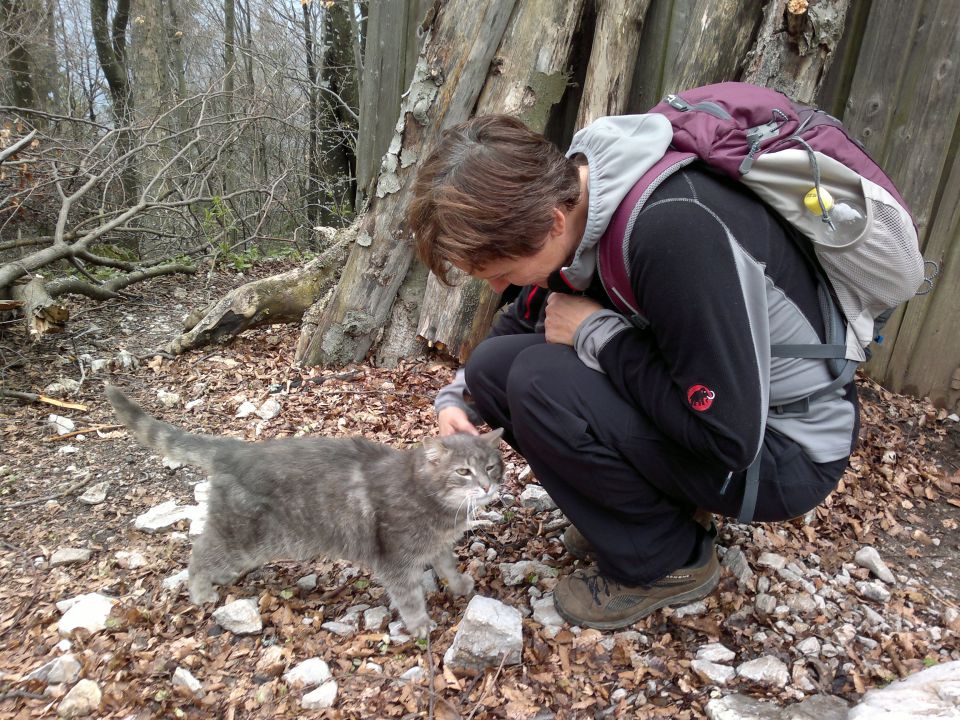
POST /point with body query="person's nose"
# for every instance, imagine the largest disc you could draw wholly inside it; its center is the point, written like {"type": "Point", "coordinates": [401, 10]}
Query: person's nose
{"type": "Point", "coordinates": [498, 285]}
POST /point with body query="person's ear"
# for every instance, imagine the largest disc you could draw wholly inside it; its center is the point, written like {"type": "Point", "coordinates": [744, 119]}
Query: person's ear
{"type": "Point", "coordinates": [559, 222]}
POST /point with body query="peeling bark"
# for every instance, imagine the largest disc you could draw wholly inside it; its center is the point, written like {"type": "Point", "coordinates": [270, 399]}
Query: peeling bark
{"type": "Point", "coordinates": [447, 81]}
{"type": "Point", "coordinates": [795, 46]}
{"type": "Point", "coordinates": [530, 78]}
{"type": "Point", "coordinates": [44, 315]}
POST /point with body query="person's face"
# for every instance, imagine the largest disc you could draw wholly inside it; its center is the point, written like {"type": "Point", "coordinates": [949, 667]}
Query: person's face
{"type": "Point", "coordinates": [554, 252]}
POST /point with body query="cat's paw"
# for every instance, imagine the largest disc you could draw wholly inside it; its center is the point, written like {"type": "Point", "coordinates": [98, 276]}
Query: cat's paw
{"type": "Point", "coordinates": [200, 595]}
{"type": "Point", "coordinates": [460, 585]}
{"type": "Point", "coordinates": [478, 523]}
{"type": "Point", "coordinates": [420, 627]}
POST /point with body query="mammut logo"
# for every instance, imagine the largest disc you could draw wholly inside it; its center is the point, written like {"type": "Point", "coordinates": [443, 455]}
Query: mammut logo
{"type": "Point", "coordinates": [700, 397]}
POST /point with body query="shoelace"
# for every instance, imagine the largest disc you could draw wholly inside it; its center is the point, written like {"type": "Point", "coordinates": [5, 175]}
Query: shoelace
{"type": "Point", "coordinates": [593, 585]}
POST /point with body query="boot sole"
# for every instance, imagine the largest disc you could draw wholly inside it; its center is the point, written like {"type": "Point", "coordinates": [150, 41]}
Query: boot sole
{"type": "Point", "coordinates": [696, 593]}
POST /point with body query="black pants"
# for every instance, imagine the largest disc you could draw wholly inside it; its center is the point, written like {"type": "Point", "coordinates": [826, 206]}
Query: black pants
{"type": "Point", "coordinates": [628, 488]}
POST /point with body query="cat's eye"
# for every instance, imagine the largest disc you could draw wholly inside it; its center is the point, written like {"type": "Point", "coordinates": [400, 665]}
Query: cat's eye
{"type": "Point", "coordinates": [464, 472]}
{"type": "Point", "coordinates": [491, 467]}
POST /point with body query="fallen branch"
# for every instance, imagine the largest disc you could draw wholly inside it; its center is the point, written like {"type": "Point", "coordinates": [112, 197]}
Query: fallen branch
{"type": "Point", "coordinates": [43, 314]}
{"type": "Point", "coordinates": [279, 299]}
{"type": "Point", "coordinates": [34, 397]}
{"type": "Point", "coordinates": [110, 288]}
{"type": "Point", "coordinates": [95, 428]}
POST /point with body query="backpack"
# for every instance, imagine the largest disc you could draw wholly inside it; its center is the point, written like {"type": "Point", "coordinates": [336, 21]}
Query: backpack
{"type": "Point", "coordinates": [781, 150]}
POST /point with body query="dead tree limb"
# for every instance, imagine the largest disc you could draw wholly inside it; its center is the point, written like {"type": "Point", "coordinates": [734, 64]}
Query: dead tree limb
{"type": "Point", "coordinates": [44, 315]}
{"type": "Point", "coordinates": [278, 299]}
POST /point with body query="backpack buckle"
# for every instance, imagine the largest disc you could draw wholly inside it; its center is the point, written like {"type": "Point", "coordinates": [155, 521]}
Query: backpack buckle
{"type": "Point", "coordinates": [795, 408]}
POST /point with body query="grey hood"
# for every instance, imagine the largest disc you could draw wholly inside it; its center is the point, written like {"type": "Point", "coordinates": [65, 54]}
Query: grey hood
{"type": "Point", "coordinates": [619, 150]}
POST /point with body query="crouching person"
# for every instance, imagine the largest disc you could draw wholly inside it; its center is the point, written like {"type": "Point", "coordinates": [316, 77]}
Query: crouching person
{"type": "Point", "coordinates": [632, 426]}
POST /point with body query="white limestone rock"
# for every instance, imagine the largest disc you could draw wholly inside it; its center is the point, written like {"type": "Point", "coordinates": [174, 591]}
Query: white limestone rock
{"type": "Point", "coordinates": [713, 673]}
{"type": "Point", "coordinates": [490, 633]}
{"type": "Point", "coordinates": [766, 670]}
{"type": "Point", "coordinates": [309, 673]}
{"type": "Point", "coordinates": [323, 697]}
{"type": "Point", "coordinates": [89, 611]}
{"type": "Point", "coordinates": [715, 652]}
{"type": "Point", "coordinates": [241, 617]}
{"type": "Point", "coordinates": [375, 618]}
{"type": "Point", "coordinates": [184, 681]}
{"type": "Point", "coordinates": [545, 612]}
{"type": "Point", "coordinates": [868, 557]}
{"type": "Point", "coordinates": [82, 700]}
{"type": "Point", "coordinates": [931, 693]}
{"type": "Point", "coordinates": [164, 515]}
{"type": "Point", "coordinates": [64, 669]}
{"type": "Point", "coordinates": [525, 571]}
{"type": "Point", "coordinates": [536, 498]}
{"type": "Point", "coordinates": [69, 556]}
{"type": "Point", "coordinates": [95, 494]}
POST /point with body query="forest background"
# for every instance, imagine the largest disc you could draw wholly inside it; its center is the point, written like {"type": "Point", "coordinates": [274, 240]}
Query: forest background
{"type": "Point", "coordinates": [143, 138]}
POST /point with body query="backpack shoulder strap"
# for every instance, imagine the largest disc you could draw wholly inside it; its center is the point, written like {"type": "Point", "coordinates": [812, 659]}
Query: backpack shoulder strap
{"type": "Point", "coordinates": [613, 248]}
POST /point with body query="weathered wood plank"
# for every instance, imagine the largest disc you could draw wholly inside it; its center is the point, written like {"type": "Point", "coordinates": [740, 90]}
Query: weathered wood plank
{"type": "Point", "coordinates": [530, 78]}
{"type": "Point", "coordinates": [904, 105]}
{"type": "Point", "coordinates": [927, 350]}
{"type": "Point", "coordinates": [389, 61]}
{"type": "Point", "coordinates": [613, 58]}
{"type": "Point", "coordinates": [449, 77]}
{"type": "Point", "coordinates": [658, 41]}
{"type": "Point", "coordinates": [714, 43]}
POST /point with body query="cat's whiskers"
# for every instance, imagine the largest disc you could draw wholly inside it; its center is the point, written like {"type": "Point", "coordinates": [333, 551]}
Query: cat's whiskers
{"type": "Point", "coordinates": [466, 499]}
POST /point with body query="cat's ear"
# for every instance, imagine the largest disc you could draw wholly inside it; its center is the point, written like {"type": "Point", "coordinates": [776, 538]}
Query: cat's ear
{"type": "Point", "coordinates": [433, 449]}
{"type": "Point", "coordinates": [493, 437]}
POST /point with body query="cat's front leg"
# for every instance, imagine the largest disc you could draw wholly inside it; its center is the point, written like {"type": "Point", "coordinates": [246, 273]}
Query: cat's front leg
{"type": "Point", "coordinates": [406, 592]}
{"type": "Point", "coordinates": [445, 565]}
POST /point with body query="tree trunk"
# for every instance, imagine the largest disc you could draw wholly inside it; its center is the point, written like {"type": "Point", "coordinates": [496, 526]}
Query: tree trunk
{"type": "Point", "coordinates": [388, 66]}
{"type": "Point", "coordinates": [794, 50]}
{"type": "Point", "coordinates": [339, 114]}
{"type": "Point", "coordinates": [44, 315]}
{"type": "Point", "coordinates": [312, 195]}
{"type": "Point", "coordinates": [530, 80]}
{"type": "Point", "coordinates": [229, 53]}
{"type": "Point", "coordinates": [714, 44]}
{"type": "Point", "coordinates": [448, 79]}
{"type": "Point", "coordinates": [15, 24]}
{"type": "Point", "coordinates": [110, 39]}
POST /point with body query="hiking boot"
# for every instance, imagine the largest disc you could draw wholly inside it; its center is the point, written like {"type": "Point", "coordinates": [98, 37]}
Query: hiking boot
{"type": "Point", "coordinates": [588, 599]}
{"type": "Point", "coordinates": [576, 544]}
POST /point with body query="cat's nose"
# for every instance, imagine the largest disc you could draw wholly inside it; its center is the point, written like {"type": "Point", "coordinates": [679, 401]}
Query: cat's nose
{"type": "Point", "coordinates": [485, 487]}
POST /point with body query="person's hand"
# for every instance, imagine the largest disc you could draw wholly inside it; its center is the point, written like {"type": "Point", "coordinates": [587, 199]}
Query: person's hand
{"type": "Point", "coordinates": [564, 315]}
{"type": "Point", "coordinates": [454, 420]}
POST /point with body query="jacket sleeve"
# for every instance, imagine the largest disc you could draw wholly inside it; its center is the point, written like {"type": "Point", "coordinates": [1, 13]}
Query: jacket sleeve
{"type": "Point", "coordinates": [700, 369]}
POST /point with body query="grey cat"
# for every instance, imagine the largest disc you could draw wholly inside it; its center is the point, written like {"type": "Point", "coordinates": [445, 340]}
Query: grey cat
{"type": "Point", "coordinates": [395, 511]}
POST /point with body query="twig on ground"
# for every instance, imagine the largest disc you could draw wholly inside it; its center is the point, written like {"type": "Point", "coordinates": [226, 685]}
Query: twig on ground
{"type": "Point", "coordinates": [483, 694]}
{"type": "Point", "coordinates": [92, 428]}
{"type": "Point", "coordinates": [433, 688]}
{"type": "Point", "coordinates": [55, 496]}
{"type": "Point", "coordinates": [34, 397]}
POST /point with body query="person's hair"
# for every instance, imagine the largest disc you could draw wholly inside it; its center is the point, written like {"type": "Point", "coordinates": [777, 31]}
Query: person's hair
{"type": "Point", "coordinates": [487, 192]}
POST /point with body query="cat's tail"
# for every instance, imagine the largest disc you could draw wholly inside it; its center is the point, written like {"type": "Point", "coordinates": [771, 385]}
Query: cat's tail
{"type": "Point", "coordinates": [169, 441]}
